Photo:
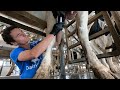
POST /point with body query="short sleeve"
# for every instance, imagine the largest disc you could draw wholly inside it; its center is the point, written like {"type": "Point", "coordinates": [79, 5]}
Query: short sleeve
{"type": "Point", "coordinates": [15, 53]}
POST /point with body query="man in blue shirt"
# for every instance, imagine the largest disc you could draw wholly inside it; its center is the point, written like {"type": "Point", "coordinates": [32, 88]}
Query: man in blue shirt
{"type": "Point", "coordinates": [28, 55]}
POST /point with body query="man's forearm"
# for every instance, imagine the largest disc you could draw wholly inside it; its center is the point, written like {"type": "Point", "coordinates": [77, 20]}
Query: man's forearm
{"type": "Point", "coordinates": [42, 46]}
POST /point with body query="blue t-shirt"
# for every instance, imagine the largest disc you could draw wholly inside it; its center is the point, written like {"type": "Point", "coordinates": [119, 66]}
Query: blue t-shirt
{"type": "Point", "coordinates": [27, 68]}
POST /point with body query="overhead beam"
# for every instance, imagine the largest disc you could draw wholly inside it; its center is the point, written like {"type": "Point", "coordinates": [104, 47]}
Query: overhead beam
{"type": "Point", "coordinates": [18, 24]}
{"type": "Point", "coordinates": [4, 53]}
{"type": "Point", "coordinates": [6, 48]}
{"type": "Point", "coordinates": [26, 17]}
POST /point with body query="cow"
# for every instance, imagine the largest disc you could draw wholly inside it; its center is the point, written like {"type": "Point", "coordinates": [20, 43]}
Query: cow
{"type": "Point", "coordinates": [81, 18]}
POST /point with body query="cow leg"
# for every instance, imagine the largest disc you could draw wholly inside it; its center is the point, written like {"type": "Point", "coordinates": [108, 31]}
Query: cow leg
{"type": "Point", "coordinates": [96, 48]}
{"type": "Point", "coordinates": [98, 68]}
{"type": "Point", "coordinates": [43, 71]}
{"type": "Point", "coordinates": [82, 22]}
{"type": "Point", "coordinates": [114, 68]}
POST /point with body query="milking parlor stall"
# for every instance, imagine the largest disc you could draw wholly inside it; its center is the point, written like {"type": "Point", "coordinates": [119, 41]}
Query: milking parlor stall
{"type": "Point", "coordinates": [89, 47]}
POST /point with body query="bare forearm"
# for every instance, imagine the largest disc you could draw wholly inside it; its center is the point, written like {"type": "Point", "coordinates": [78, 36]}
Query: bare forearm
{"type": "Point", "coordinates": [42, 46]}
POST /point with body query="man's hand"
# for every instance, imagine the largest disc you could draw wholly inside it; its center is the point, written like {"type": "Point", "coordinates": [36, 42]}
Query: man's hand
{"type": "Point", "coordinates": [56, 28]}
